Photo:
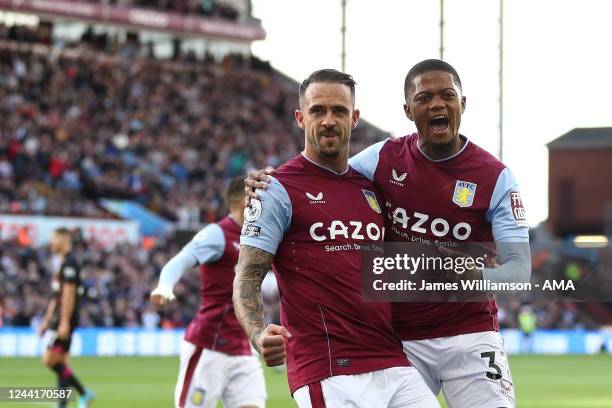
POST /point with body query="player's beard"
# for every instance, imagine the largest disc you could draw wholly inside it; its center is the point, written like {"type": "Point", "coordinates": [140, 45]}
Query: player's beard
{"type": "Point", "coordinates": [333, 151]}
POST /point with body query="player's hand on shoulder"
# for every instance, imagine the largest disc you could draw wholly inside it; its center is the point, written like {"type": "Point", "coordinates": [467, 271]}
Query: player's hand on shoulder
{"type": "Point", "coordinates": [161, 296]}
{"type": "Point", "coordinates": [271, 344]}
{"type": "Point", "coordinates": [256, 179]}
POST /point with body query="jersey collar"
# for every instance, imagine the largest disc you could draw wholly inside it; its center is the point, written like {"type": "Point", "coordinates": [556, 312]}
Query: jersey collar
{"type": "Point", "coordinates": [446, 158]}
{"type": "Point", "coordinates": [326, 168]}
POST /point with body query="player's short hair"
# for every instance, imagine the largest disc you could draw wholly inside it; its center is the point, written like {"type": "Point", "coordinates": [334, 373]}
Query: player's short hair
{"type": "Point", "coordinates": [328, 76]}
{"type": "Point", "coordinates": [65, 232]}
{"type": "Point", "coordinates": [428, 65]}
{"type": "Point", "coordinates": [235, 191]}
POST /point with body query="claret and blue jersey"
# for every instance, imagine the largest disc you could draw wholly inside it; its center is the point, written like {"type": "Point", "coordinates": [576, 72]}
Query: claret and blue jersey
{"type": "Point", "coordinates": [469, 197]}
{"type": "Point", "coordinates": [315, 221]}
{"type": "Point", "coordinates": [215, 326]}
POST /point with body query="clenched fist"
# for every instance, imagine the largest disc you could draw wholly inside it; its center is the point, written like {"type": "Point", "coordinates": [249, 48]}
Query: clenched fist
{"type": "Point", "coordinates": [161, 296]}
{"type": "Point", "coordinates": [271, 344]}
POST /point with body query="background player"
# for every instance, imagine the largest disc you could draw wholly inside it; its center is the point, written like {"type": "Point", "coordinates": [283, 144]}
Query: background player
{"type": "Point", "coordinates": [62, 315]}
{"type": "Point", "coordinates": [437, 174]}
{"type": "Point", "coordinates": [340, 351]}
{"type": "Point", "coordinates": [216, 361]}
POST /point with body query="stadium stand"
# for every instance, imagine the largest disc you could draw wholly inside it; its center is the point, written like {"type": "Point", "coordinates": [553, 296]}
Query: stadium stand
{"type": "Point", "coordinates": [117, 286]}
{"type": "Point", "coordinates": [91, 125]}
{"type": "Point", "coordinates": [224, 9]}
{"type": "Point", "coordinates": [98, 118]}
{"type": "Point", "coordinates": [118, 283]}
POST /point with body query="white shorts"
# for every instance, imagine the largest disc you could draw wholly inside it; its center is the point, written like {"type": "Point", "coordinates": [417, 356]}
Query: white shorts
{"type": "Point", "coordinates": [206, 376]}
{"type": "Point", "coordinates": [471, 369]}
{"type": "Point", "coordinates": [395, 387]}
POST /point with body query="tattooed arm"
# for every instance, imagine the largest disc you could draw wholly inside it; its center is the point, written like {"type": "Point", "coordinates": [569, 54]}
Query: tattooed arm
{"type": "Point", "coordinates": [253, 264]}
{"type": "Point", "coordinates": [266, 223]}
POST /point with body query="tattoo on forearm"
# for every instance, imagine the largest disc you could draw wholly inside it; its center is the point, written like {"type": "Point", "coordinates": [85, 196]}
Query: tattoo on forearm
{"type": "Point", "coordinates": [253, 264]}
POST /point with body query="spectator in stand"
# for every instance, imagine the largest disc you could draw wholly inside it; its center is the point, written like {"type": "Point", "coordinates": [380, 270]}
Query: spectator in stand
{"type": "Point", "coordinates": [88, 123]}
{"type": "Point", "coordinates": [223, 9]}
{"type": "Point", "coordinates": [78, 128]}
{"type": "Point", "coordinates": [116, 286]}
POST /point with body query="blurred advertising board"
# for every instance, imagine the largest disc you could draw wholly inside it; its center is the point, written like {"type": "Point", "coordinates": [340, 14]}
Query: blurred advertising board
{"type": "Point", "coordinates": [37, 229]}
{"type": "Point", "coordinates": [158, 342]}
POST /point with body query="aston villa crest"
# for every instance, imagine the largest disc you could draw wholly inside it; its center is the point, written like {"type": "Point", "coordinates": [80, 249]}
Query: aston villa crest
{"type": "Point", "coordinates": [464, 193]}
{"type": "Point", "coordinates": [197, 398]}
{"type": "Point", "coordinates": [371, 198]}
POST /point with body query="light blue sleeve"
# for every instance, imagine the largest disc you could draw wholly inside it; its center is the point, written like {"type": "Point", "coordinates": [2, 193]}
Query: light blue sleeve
{"type": "Point", "coordinates": [268, 218]}
{"type": "Point", "coordinates": [174, 269]}
{"type": "Point", "coordinates": [206, 246]}
{"type": "Point", "coordinates": [514, 262]}
{"type": "Point", "coordinates": [506, 212]}
{"type": "Point", "coordinates": [366, 161]}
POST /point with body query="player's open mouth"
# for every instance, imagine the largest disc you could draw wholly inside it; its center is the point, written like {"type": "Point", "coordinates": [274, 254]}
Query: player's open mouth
{"type": "Point", "coordinates": [438, 123]}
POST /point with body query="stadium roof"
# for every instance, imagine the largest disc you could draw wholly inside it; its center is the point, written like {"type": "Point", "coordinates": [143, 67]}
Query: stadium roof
{"type": "Point", "coordinates": [583, 138]}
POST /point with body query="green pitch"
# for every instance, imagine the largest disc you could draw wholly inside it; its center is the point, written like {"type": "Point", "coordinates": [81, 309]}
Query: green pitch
{"type": "Point", "coordinates": [541, 381]}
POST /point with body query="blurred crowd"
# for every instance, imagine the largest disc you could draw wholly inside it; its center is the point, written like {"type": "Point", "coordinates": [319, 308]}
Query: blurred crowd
{"type": "Point", "coordinates": [99, 119]}
{"type": "Point", "coordinates": [547, 315]}
{"type": "Point", "coordinates": [77, 127]}
{"type": "Point", "coordinates": [118, 282]}
{"type": "Point", "coordinates": [116, 286]}
{"type": "Point", "coordinates": [103, 121]}
{"type": "Point", "coordinates": [223, 9]}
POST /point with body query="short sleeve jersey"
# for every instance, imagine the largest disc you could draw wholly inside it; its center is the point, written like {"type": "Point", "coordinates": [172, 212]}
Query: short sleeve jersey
{"type": "Point", "coordinates": [316, 221]}
{"type": "Point", "coordinates": [469, 197]}
{"type": "Point", "coordinates": [215, 326]}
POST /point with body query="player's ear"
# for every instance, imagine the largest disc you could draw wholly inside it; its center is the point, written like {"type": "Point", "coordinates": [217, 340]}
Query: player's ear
{"type": "Point", "coordinates": [355, 118]}
{"type": "Point", "coordinates": [299, 118]}
{"type": "Point", "coordinates": [463, 104]}
{"type": "Point", "coordinates": [408, 111]}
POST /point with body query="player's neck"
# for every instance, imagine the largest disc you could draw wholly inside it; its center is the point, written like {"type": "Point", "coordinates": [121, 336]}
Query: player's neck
{"type": "Point", "coordinates": [236, 215]}
{"type": "Point", "coordinates": [338, 164]}
{"type": "Point", "coordinates": [440, 152]}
